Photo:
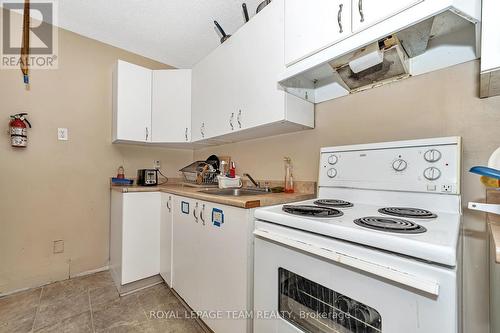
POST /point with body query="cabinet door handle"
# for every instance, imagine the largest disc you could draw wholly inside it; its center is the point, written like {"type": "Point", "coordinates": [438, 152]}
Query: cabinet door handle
{"type": "Point", "coordinates": [339, 18]}
{"type": "Point", "coordinates": [360, 8]}
{"type": "Point", "coordinates": [169, 206]}
{"type": "Point", "coordinates": [186, 134]}
{"type": "Point", "coordinates": [147, 133]}
{"type": "Point", "coordinates": [239, 119]}
{"type": "Point", "coordinates": [201, 214]}
{"type": "Point", "coordinates": [194, 213]}
{"type": "Point", "coordinates": [231, 121]}
{"type": "Point", "coordinates": [202, 130]}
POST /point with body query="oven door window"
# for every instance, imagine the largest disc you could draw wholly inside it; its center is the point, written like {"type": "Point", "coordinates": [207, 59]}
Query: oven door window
{"type": "Point", "coordinates": [316, 309]}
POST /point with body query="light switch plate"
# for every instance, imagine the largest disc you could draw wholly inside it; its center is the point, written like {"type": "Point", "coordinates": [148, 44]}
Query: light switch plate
{"type": "Point", "coordinates": [62, 134]}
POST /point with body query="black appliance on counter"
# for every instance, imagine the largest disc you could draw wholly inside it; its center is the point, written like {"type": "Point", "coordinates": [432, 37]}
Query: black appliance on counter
{"type": "Point", "coordinates": [147, 177]}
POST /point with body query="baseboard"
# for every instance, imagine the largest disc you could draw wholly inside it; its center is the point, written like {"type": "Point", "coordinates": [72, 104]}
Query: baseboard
{"type": "Point", "coordinates": [93, 271]}
{"type": "Point", "coordinates": [200, 322]}
{"type": "Point", "coordinates": [135, 286]}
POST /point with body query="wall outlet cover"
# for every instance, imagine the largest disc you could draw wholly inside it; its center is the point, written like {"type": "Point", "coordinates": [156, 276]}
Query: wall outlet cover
{"type": "Point", "coordinates": [62, 134]}
{"type": "Point", "coordinates": [447, 188]}
{"type": "Point", "coordinates": [157, 164]}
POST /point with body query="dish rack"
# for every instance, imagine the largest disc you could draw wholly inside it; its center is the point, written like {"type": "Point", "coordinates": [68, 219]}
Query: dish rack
{"type": "Point", "coordinates": [201, 173]}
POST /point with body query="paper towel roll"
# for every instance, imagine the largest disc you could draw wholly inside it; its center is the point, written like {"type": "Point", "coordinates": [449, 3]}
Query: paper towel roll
{"type": "Point", "coordinates": [494, 161]}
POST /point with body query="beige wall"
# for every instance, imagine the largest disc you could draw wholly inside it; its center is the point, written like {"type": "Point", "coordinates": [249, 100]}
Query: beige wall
{"type": "Point", "coordinates": [442, 103]}
{"type": "Point", "coordinates": [60, 190]}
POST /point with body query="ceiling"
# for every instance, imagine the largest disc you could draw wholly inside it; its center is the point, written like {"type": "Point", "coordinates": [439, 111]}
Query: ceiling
{"type": "Point", "coordinates": [176, 32]}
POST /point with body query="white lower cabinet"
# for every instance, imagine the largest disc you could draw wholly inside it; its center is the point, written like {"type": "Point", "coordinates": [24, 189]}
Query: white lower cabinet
{"type": "Point", "coordinates": [203, 250]}
{"type": "Point", "coordinates": [213, 260]}
{"type": "Point", "coordinates": [135, 236]}
{"type": "Point", "coordinates": [166, 227]}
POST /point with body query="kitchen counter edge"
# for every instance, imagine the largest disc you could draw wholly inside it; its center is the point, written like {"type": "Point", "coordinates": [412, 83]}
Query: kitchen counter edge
{"type": "Point", "coordinates": [247, 202]}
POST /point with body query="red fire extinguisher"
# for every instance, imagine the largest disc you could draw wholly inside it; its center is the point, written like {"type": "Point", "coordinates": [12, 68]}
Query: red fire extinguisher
{"type": "Point", "coordinates": [18, 130]}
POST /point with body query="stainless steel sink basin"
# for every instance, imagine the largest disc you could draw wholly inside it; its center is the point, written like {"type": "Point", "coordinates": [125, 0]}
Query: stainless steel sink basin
{"type": "Point", "coordinates": [234, 192]}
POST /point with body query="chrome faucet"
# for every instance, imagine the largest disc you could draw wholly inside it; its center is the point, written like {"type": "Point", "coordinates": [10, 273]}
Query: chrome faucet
{"type": "Point", "coordinates": [256, 184]}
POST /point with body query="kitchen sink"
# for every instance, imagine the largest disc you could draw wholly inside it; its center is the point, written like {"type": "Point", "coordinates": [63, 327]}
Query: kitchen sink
{"type": "Point", "coordinates": [234, 192]}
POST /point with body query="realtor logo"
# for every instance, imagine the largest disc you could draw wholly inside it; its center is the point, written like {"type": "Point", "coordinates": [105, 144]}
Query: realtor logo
{"type": "Point", "coordinates": [42, 34]}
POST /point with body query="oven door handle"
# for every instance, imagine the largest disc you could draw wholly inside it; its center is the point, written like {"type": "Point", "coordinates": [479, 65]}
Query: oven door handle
{"type": "Point", "coordinates": [387, 272]}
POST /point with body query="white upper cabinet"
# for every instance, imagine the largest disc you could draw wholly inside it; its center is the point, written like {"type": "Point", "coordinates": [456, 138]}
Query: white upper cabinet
{"type": "Point", "coordinates": [490, 49]}
{"type": "Point", "coordinates": [171, 106]}
{"type": "Point", "coordinates": [235, 92]}
{"type": "Point", "coordinates": [212, 93]}
{"type": "Point", "coordinates": [368, 12]}
{"type": "Point", "coordinates": [131, 103]}
{"type": "Point", "coordinates": [259, 49]}
{"type": "Point", "coordinates": [151, 105]}
{"type": "Point", "coordinates": [313, 25]}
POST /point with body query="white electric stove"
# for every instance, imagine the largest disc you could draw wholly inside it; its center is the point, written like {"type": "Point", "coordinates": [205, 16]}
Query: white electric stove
{"type": "Point", "coordinates": [377, 251]}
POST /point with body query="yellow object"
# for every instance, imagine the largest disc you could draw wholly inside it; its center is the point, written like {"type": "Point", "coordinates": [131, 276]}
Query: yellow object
{"type": "Point", "coordinates": [490, 182]}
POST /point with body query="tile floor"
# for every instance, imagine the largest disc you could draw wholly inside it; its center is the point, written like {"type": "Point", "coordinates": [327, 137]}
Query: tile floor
{"type": "Point", "coordinates": [92, 304]}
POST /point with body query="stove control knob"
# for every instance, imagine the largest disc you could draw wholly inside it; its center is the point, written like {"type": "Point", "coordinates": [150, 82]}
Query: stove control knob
{"type": "Point", "coordinates": [399, 165]}
{"type": "Point", "coordinates": [332, 172]}
{"type": "Point", "coordinates": [432, 173]}
{"type": "Point", "coordinates": [333, 159]}
{"type": "Point", "coordinates": [432, 155]}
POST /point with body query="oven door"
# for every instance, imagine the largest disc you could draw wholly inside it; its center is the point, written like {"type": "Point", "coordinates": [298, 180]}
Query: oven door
{"type": "Point", "coordinates": [309, 283]}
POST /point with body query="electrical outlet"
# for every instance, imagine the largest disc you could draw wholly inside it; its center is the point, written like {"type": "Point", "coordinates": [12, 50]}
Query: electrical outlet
{"type": "Point", "coordinates": [447, 188]}
{"type": "Point", "coordinates": [157, 164]}
{"type": "Point", "coordinates": [58, 246]}
{"type": "Point", "coordinates": [62, 134]}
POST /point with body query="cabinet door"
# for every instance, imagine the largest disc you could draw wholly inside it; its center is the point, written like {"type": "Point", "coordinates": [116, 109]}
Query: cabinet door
{"type": "Point", "coordinates": [313, 25]}
{"type": "Point", "coordinates": [171, 105]}
{"type": "Point", "coordinates": [490, 43]}
{"type": "Point", "coordinates": [166, 237]}
{"type": "Point", "coordinates": [212, 93]}
{"type": "Point", "coordinates": [225, 262]}
{"type": "Point", "coordinates": [140, 236]}
{"type": "Point", "coordinates": [368, 12]}
{"type": "Point", "coordinates": [258, 99]}
{"type": "Point", "coordinates": [186, 251]}
{"type": "Point", "coordinates": [132, 103]}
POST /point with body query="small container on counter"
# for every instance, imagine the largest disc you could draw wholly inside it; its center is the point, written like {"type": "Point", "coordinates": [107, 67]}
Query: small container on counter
{"type": "Point", "coordinates": [288, 175]}
{"type": "Point", "coordinates": [232, 170]}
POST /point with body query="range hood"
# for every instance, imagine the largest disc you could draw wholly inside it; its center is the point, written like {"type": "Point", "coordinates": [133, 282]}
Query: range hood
{"type": "Point", "coordinates": [440, 41]}
{"type": "Point", "coordinates": [379, 63]}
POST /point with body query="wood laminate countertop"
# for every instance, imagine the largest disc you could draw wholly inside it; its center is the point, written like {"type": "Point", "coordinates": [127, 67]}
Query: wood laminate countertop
{"type": "Point", "coordinates": [493, 197]}
{"type": "Point", "coordinates": [248, 201]}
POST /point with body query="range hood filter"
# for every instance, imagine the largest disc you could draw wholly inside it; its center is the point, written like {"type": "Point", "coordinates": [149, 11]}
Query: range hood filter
{"type": "Point", "coordinates": [366, 61]}
{"type": "Point", "coordinates": [360, 73]}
